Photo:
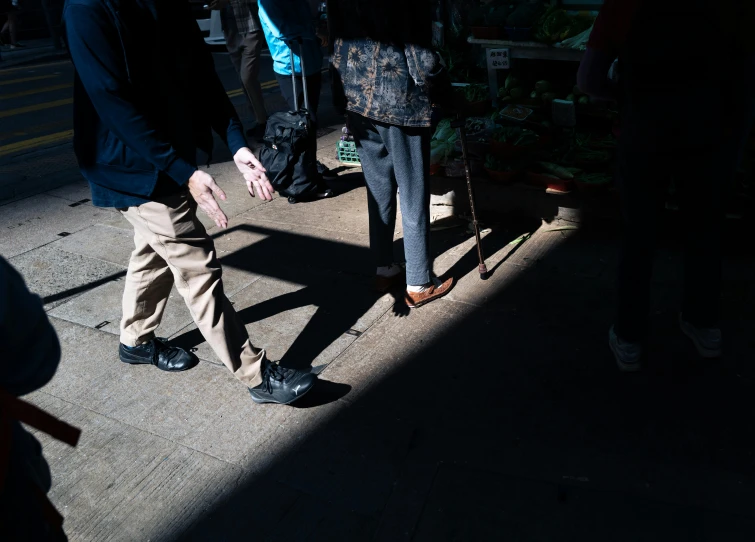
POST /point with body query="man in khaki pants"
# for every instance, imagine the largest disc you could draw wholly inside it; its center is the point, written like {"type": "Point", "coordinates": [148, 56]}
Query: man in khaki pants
{"type": "Point", "coordinates": [146, 97]}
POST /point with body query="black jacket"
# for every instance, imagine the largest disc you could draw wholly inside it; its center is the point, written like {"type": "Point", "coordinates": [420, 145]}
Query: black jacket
{"type": "Point", "coordinates": [146, 97]}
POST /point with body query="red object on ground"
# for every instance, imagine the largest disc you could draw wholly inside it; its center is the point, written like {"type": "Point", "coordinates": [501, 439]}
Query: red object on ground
{"type": "Point", "coordinates": [550, 182]}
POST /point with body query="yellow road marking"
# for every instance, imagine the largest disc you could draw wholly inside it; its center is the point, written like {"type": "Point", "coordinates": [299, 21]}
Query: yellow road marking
{"type": "Point", "coordinates": [240, 91]}
{"type": "Point", "coordinates": [35, 142]}
{"type": "Point", "coordinates": [35, 107]}
{"type": "Point", "coordinates": [34, 91]}
{"type": "Point", "coordinates": [36, 129]}
{"type": "Point", "coordinates": [33, 68]}
{"type": "Point", "coordinates": [59, 137]}
{"type": "Point", "coordinates": [27, 79]}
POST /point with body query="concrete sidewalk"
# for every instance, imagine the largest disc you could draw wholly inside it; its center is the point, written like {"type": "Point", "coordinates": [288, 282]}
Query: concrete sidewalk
{"type": "Point", "coordinates": [496, 413]}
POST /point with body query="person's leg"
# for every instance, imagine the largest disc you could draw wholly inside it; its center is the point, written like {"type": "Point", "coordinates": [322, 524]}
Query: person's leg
{"type": "Point", "coordinates": [381, 187]}
{"type": "Point", "coordinates": [642, 186]}
{"type": "Point", "coordinates": [174, 232]}
{"type": "Point", "coordinates": [9, 27]}
{"type": "Point", "coordinates": [12, 28]}
{"type": "Point", "coordinates": [409, 149]}
{"type": "Point", "coordinates": [148, 284]}
{"type": "Point", "coordinates": [701, 186]}
{"type": "Point", "coordinates": [233, 40]}
{"type": "Point", "coordinates": [701, 191]}
{"type": "Point", "coordinates": [250, 71]}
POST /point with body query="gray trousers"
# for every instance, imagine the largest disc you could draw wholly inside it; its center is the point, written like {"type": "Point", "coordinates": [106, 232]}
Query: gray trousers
{"type": "Point", "coordinates": [397, 157]}
{"type": "Point", "coordinates": [245, 51]}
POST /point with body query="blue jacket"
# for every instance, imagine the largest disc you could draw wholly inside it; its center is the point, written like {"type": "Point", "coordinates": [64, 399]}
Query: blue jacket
{"type": "Point", "coordinates": [146, 97]}
{"type": "Point", "coordinates": [287, 20]}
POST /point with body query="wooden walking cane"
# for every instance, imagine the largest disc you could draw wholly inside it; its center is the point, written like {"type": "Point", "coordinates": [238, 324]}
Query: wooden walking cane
{"type": "Point", "coordinates": [460, 124]}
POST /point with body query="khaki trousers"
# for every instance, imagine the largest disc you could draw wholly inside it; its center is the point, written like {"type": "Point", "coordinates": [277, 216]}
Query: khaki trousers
{"type": "Point", "coordinates": [172, 246]}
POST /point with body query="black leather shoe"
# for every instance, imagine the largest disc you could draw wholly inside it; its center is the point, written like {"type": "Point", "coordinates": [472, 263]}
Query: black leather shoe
{"type": "Point", "coordinates": [159, 353]}
{"type": "Point", "coordinates": [281, 385]}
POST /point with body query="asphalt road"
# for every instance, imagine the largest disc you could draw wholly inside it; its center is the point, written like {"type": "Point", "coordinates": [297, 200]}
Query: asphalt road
{"type": "Point", "coordinates": [36, 111]}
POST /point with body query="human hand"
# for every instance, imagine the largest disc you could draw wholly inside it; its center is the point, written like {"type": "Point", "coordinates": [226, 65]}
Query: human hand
{"type": "Point", "coordinates": [254, 174]}
{"type": "Point", "coordinates": [203, 189]}
{"type": "Point", "coordinates": [218, 4]}
{"type": "Point", "coordinates": [323, 39]}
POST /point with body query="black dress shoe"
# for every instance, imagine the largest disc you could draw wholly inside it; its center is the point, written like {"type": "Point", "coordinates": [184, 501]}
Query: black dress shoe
{"type": "Point", "coordinates": [159, 353]}
{"type": "Point", "coordinates": [281, 385]}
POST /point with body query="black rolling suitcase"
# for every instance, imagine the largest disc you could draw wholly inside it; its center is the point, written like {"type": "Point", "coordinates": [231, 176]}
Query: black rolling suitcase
{"type": "Point", "coordinates": [291, 170]}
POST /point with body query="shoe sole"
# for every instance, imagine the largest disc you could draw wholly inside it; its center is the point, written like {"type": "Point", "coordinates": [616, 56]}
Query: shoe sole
{"type": "Point", "coordinates": [705, 353]}
{"type": "Point", "coordinates": [267, 401]}
{"type": "Point", "coordinates": [139, 362]}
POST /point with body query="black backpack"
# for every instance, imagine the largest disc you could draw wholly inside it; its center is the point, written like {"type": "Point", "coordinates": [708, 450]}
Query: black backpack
{"type": "Point", "coordinates": [287, 135]}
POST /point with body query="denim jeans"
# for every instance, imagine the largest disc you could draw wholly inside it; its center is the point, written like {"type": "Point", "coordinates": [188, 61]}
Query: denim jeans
{"type": "Point", "coordinates": [396, 158]}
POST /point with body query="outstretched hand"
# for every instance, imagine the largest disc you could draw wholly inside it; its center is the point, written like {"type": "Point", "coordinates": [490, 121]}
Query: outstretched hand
{"type": "Point", "coordinates": [203, 189]}
{"type": "Point", "coordinates": [254, 174]}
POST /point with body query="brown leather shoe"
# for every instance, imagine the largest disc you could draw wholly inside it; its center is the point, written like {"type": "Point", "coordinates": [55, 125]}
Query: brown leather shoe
{"type": "Point", "coordinates": [417, 299]}
{"type": "Point", "coordinates": [386, 284]}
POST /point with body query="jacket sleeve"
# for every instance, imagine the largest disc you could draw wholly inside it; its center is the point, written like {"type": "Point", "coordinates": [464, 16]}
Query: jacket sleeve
{"type": "Point", "coordinates": [29, 347]}
{"type": "Point", "coordinates": [223, 116]}
{"type": "Point", "coordinates": [427, 71]}
{"type": "Point", "coordinates": [289, 19]}
{"type": "Point", "coordinates": [98, 57]}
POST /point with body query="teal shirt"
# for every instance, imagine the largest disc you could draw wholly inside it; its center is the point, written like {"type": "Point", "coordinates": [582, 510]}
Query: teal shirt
{"type": "Point", "coordinates": [287, 20]}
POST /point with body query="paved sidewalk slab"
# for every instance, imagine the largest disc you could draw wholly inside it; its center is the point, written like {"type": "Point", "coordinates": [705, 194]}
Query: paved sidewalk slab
{"type": "Point", "coordinates": [33, 222]}
{"type": "Point", "coordinates": [99, 242]}
{"type": "Point", "coordinates": [124, 483]}
{"type": "Point", "coordinates": [205, 409]}
{"type": "Point", "coordinates": [58, 276]}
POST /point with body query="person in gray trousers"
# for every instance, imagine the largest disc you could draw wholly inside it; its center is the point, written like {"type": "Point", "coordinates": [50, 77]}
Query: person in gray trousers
{"type": "Point", "coordinates": [387, 78]}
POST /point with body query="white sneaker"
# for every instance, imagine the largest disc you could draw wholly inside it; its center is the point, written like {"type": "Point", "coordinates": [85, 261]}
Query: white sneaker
{"type": "Point", "coordinates": [628, 355]}
{"type": "Point", "coordinates": [707, 341]}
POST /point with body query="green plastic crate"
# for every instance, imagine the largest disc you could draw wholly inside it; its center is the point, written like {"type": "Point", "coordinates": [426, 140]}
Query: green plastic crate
{"type": "Point", "coordinates": [346, 152]}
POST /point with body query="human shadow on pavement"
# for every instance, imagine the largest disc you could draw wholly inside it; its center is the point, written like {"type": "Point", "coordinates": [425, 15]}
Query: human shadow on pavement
{"type": "Point", "coordinates": [333, 282]}
{"type": "Point", "coordinates": [509, 420]}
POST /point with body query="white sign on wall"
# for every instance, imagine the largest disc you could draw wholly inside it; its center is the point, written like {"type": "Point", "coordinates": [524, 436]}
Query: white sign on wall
{"type": "Point", "coordinates": [499, 59]}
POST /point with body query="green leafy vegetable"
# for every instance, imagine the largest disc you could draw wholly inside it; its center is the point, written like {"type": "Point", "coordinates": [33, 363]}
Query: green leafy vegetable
{"type": "Point", "coordinates": [474, 93]}
{"type": "Point", "coordinates": [515, 135]}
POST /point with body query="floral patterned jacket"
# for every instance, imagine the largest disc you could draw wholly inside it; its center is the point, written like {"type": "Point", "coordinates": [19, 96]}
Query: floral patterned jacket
{"type": "Point", "coordinates": [386, 83]}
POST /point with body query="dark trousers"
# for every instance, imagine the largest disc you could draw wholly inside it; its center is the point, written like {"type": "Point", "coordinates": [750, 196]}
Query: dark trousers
{"type": "Point", "coordinates": [245, 51]}
{"type": "Point", "coordinates": [397, 158]}
{"type": "Point", "coordinates": [306, 168]}
{"type": "Point", "coordinates": [700, 181]}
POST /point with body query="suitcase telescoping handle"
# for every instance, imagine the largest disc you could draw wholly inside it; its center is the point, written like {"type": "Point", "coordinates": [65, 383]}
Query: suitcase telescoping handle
{"type": "Point", "coordinates": [303, 74]}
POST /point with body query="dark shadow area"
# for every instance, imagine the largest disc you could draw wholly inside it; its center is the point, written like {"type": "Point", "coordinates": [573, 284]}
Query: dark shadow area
{"type": "Point", "coordinates": [509, 420]}
{"type": "Point", "coordinates": [346, 182]}
{"type": "Point", "coordinates": [325, 392]}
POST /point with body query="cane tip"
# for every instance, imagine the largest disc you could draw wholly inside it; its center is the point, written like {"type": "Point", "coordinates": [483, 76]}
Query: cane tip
{"type": "Point", "coordinates": [483, 272]}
